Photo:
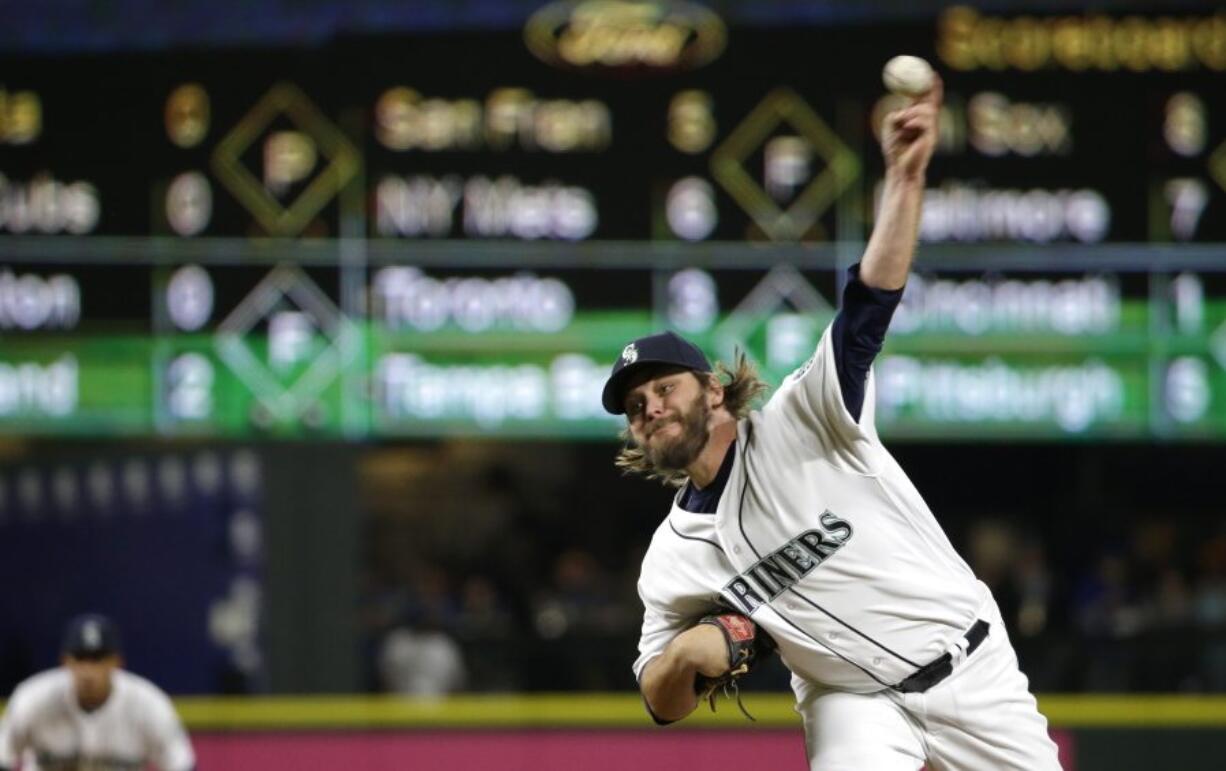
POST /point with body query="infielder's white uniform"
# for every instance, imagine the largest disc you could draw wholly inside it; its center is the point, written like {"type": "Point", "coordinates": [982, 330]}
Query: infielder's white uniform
{"type": "Point", "coordinates": [820, 537]}
{"type": "Point", "coordinates": [45, 727]}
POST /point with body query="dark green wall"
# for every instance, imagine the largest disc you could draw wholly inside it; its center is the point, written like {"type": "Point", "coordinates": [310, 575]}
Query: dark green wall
{"type": "Point", "coordinates": [312, 550]}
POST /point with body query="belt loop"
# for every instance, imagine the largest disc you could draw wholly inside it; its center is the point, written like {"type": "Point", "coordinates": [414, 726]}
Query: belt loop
{"type": "Point", "coordinates": [935, 671]}
{"type": "Point", "coordinates": [958, 651]}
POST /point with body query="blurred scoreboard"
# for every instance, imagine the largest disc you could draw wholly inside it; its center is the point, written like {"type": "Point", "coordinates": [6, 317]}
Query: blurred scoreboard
{"type": "Point", "coordinates": [457, 233]}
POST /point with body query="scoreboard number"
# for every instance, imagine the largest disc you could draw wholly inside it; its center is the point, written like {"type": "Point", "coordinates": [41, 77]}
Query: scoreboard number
{"type": "Point", "coordinates": [189, 387]}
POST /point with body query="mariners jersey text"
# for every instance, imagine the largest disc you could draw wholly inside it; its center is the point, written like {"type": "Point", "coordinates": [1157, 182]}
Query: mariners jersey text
{"type": "Point", "coordinates": [773, 574]}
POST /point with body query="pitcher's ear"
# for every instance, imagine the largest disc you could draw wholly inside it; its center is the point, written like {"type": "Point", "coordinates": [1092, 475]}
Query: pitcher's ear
{"type": "Point", "coordinates": [714, 390]}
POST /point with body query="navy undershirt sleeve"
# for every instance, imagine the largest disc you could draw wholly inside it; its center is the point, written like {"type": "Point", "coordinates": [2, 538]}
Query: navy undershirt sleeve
{"type": "Point", "coordinates": [857, 334]}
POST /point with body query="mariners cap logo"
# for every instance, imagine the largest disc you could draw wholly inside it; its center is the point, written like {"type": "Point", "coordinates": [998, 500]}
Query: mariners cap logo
{"type": "Point", "coordinates": [91, 635]}
{"type": "Point", "coordinates": [630, 354]}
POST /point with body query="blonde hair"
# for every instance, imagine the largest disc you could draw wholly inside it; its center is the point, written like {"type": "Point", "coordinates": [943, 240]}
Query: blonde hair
{"type": "Point", "coordinates": [743, 387]}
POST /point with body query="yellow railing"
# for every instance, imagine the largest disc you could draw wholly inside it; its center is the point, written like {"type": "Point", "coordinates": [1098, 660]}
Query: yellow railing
{"type": "Point", "coordinates": [625, 710]}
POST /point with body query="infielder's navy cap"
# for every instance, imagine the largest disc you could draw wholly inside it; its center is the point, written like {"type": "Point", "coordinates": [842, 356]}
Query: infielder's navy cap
{"type": "Point", "coordinates": [89, 636]}
{"type": "Point", "coordinates": [661, 348]}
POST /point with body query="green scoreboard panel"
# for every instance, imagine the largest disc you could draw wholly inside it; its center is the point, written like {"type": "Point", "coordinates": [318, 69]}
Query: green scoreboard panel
{"type": "Point", "coordinates": [457, 233]}
{"type": "Point", "coordinates": [285, 339]}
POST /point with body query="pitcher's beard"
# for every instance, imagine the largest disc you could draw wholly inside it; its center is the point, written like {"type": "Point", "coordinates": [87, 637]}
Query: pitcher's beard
{"type": "Point", "coordinates": [679, 453]}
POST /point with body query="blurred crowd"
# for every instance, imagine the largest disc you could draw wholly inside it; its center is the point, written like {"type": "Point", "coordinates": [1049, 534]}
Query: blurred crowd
{"type": "Point", "coordinates": [507, 582]}
{"type": "Point", "coordinates": [1136, 606]}
{"type": "Point", "coordinates": [493, 580]}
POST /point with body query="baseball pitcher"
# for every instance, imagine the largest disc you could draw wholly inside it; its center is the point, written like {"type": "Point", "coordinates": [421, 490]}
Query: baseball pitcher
{"type": "Point", "coordinates": [794, 527]}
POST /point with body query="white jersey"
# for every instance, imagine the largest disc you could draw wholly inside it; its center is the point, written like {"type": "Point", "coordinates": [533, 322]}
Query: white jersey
{"type": "Point", "coordinates": [45, 727]}
{"type": "Point", "coordinates": [820, 537]}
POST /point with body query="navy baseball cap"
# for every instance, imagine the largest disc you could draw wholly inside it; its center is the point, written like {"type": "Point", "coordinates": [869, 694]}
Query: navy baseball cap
{"type": "Point", "coordinates": [90, 636]}
{"type": "Point", "coordinates": [661, 348]}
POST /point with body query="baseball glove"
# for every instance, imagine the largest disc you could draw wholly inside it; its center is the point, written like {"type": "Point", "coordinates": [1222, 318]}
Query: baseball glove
{"type": "Point", "coordinates": [747, 645]}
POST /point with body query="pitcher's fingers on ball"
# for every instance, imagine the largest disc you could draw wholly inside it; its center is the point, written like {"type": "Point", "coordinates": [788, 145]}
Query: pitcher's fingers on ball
{"type": "Point", "coordinates": [901, 120]}
{"type": "Point", "coordinates": [936, 93]}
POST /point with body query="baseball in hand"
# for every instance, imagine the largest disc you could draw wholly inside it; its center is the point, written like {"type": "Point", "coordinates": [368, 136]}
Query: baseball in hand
{"type": "Point", "coordinates": [907, 75]}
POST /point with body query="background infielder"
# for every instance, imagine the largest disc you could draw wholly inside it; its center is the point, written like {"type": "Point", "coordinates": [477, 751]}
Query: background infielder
{"type": "Point", "coordinates": [797, 517]}
{"type": "Point", "coordinates": [90, 714]}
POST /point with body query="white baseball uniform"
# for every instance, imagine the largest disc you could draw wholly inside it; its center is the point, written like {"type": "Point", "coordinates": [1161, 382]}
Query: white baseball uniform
{"type": "Point", "coordinates": [820, 537]}
{"type": "Point", "coordinates": [45, 728]}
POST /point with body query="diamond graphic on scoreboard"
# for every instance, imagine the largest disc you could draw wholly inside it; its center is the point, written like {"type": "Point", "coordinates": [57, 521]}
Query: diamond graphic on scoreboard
{"type": "Point", "coordinates": [290, 160]}
{"type": "Point", "coordinates": [784, 308]}
{"type": "Point", "coordinates": [1217, 345]}
{"type": "Point", "coordinates": [790, 198]}
{"type": "Point", "coordinates": [308, 342]}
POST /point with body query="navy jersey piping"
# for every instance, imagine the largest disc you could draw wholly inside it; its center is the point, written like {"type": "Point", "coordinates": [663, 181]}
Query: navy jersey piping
{"type": "Point", "coordinates": [880, 645]}
{"type": "Point", "coordinates": [758, 555]}
{"type": "Point", "coordinates": [693, 537]}
{"type": "Point", "coordinates": [792, 624]}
